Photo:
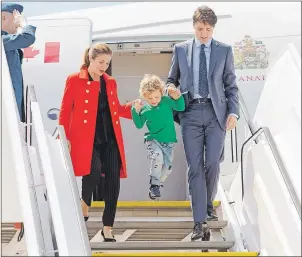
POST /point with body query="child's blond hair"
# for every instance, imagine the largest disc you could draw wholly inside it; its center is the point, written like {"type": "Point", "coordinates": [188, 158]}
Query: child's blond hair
{"type": "Point", "coordinates": [149, 84]}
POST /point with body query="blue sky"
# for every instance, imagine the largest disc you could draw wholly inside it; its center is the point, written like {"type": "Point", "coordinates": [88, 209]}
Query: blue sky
{"type": "Point", "coordinates": [40, 8]}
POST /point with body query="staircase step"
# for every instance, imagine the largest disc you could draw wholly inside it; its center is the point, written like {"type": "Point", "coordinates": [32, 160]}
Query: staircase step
{"type": "Point", "coordinates": [147, 208]}
{"type": "Point", "coordinates": [151, 254]}
{"type": "Point", "coordinates": [157, 224]}
{"type": "Point", "coordinates": [144, 212]}
{"type": "Point", "coordinates": [159, 245]}
{"type": "Point", "coordinates": [150, 204]}
{"type": "Point", "coordinates": [7, 225]}
{"type": "Point", "coordinates": [144, 238]}
{"type": "Point", "coordinates": [7, 237]}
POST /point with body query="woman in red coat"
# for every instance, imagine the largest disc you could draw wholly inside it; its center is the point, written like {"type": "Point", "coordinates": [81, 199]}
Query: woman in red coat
{"type": "Point", "coordinates": [90, 113]}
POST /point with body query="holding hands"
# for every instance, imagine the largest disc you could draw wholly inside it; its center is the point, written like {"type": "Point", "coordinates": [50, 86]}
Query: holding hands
{"type": "Point", "coordinates": [173, 92]}
{"type": "Point", "coordinates": [138, 105]}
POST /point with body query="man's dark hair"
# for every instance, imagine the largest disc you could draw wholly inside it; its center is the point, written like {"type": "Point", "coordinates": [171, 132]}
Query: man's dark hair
{"type": "Point", "coordinates": [205, 14]}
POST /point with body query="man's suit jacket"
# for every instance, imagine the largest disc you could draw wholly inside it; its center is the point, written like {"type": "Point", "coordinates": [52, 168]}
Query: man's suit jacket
{"type": "Point", "coordinates": [221, 78]}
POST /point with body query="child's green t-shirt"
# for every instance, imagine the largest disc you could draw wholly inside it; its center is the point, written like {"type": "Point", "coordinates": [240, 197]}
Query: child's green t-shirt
{"type": "Point", "coordinates": [159, 119]}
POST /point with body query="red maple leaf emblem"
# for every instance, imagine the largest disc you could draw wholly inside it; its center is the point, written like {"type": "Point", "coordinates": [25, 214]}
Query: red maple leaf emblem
{"type": "Point", "coordinates": [30, 52]}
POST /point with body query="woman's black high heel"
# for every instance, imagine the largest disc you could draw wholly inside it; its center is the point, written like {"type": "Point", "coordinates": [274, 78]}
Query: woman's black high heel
{"type": "Point", "coordinates": [107, 239]}
{"type": "Point", "coordinates": [86, 218]}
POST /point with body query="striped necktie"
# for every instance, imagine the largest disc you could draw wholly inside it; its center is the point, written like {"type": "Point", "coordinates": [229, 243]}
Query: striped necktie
{"type": "Point", "coordinates": [203, 79]}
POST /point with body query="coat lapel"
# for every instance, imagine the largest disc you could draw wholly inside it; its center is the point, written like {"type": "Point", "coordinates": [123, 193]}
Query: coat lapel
{"type": "Point", "coordinates": [84, 75]}
{"type": "Point", "coordinates": [213, 56]}
{"type": "Point", "coordinates": [189, 52]}
{"type": "Point", "coordinates": [106, 77]}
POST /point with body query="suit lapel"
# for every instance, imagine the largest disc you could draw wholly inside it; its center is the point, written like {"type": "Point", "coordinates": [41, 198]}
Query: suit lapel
{"type": "Point", "coordinates": [189, 51]}
{"type": "Point", "coordinates": [213, 56]}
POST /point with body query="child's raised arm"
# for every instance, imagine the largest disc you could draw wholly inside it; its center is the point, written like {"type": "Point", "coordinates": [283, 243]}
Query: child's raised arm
{"type": "Point", "coordinates": [138, 119]}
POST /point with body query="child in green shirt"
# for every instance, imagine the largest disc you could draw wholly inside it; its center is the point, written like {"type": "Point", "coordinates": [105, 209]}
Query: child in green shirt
{"type": "Point", "coordinates": [158, 116]}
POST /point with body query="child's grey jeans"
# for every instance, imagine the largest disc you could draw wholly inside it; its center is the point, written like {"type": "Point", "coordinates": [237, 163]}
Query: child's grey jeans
{"type": "Point", "coordinates": [161, 157]}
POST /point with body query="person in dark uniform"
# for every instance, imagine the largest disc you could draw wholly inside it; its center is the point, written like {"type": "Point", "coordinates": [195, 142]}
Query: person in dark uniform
{"type": "Point", "coordinates": [16, 34]}
{"type": "Point", "coordinates": [90, 113]}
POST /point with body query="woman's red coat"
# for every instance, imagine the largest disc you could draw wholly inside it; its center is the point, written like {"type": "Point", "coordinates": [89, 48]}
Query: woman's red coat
{"type": "Point", "coordinates": [78, 116]}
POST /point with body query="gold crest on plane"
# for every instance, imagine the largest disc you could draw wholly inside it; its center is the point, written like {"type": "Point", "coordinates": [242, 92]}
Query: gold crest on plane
{"type": "Point", "coordinates": [250, 54]}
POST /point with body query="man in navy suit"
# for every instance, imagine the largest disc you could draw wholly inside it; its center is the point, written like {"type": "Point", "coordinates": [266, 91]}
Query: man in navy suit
{"type": "Point", "coordinates": [203, 69]}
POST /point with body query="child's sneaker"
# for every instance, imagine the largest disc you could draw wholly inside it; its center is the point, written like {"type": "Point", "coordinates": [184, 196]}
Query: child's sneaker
{"type": "Point", "coordinates": [154, 192]}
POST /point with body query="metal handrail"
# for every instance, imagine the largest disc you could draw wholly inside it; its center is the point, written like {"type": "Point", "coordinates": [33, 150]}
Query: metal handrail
{"type": "Point", "coordinates": [30, 97]}
{"type": "Point", "coordinates": [55, 134]}
{"type": "Point", "coordinates": [280, 163]}
{"type": "Point", "coordinates": [234, 144]}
